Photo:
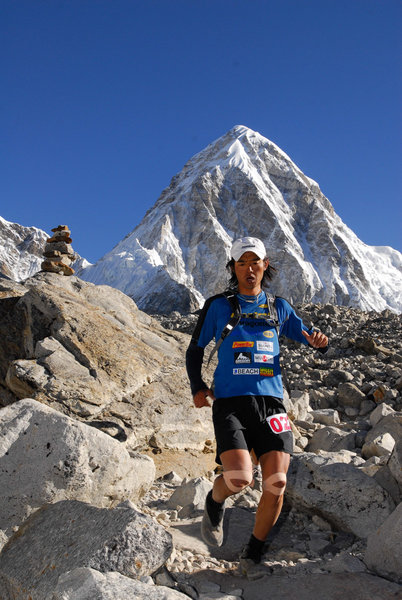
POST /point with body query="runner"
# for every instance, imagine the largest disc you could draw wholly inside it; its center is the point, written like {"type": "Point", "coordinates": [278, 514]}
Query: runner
{"type": "Point", "coordinates": [247, 397]}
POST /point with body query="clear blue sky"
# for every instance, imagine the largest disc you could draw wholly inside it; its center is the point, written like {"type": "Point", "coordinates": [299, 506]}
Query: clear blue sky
{"type": "Point", "coordinates": [103, 101]}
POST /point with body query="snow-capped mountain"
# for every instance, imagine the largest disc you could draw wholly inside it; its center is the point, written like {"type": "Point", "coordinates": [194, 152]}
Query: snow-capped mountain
{"type": "Point", "coordinates": [243, 184]}
{"type": "Point", "coordinates": [21, 250]}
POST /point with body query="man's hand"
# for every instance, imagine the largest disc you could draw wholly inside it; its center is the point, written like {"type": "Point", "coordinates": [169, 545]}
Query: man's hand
{"type": "Point", "coordinates": [202, 397]}
{"type": "Point", "coordinates": [317, 339]}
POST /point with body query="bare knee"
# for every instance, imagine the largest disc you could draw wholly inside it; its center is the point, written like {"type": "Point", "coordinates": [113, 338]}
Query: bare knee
{"type": "Point", "coordinates": [275, 484]}
{"type": "Point", "coordinates": [237, 480]}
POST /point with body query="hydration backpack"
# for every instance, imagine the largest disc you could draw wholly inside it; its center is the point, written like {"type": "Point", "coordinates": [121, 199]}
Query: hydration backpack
{"type": "Point", "coordinates": [234, 320]}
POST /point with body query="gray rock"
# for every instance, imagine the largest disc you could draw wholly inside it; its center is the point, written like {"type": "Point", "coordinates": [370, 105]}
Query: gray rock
{"type": "Point", "coordinates": [360, 438]}
{"type": "Point", "coordinates": [340, 493]}
{"type": "Point", "coordinates": [190, 496]}
{"type": "Point", "coordinates": [366, 407]}
{"type": "Point", "coordinates": [322, 398]}
{"type": "Point", "coordinates": [395, 462]}
{"type": "Point", "coordinates": [391, 423]}
{"type": "Point", "coordinates": [381, 411]}
{"type": "Point", "coordinates": [23, 377]}
{"type": "Point", "coordinates": [69, 534]}
{"type": "Point", "coordinates": [46, 456]}
{"type": "Point", "coordinates": [385, 479]}
{"type": "Point", "coordinates": [349, 395]}
{"type": "Point", "coordinates": [88, 351]}
{"type": "Point", "coordinates": [373, 464]}
{"type": "Point", "coordinates": [298, 405]}
{"type": "Point", "coordinates": [351, 412]}
{"type": "Point", "coordinates": [384, 547]}
{"type": "Point", "coordinates": [326, 416]}
{"type": "Point", "coordinates": [173, 477]}
{"type": "Point", "coordinates": [310, 586]}
{"type": "Point", "coordinates": [382, 445]}
{"type": "Point", "coordinates": [88, 584]}
{"type": "Point", "coordinates": [331, 439]}
{"type": "Point", "coordinates": [337, 377]}
{"type": "Point", "coordinates": [344, 562]}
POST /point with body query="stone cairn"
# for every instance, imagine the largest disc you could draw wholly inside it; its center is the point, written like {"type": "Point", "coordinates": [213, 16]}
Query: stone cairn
{"type": "Point", "coordinates": [59, 253]}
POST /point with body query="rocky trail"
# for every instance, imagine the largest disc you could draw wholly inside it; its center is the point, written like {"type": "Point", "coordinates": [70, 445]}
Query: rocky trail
{"type": "Point", "coordinates": [105, 464]}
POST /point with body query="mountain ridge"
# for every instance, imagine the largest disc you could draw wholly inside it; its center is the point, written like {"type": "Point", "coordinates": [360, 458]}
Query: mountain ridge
{"type": "Point", "coordinates": [240, 184]}
{"type": "Point", "coordinates": [243, 184]}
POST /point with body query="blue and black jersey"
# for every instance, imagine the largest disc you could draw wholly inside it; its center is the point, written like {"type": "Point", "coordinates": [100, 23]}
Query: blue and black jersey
{"type": "Point", "coordinates": [248, 358]}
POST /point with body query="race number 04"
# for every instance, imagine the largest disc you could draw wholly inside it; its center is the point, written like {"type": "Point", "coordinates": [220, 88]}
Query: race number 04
{"type": "Point", "coordinates": [279, 423]}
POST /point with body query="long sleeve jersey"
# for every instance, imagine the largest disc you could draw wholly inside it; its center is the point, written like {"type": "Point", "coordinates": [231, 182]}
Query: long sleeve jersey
{"type": "Point", "coordinates": [248, 358]}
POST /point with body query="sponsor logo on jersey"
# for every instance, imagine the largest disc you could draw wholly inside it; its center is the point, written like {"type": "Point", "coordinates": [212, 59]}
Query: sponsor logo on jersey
{"type": "Point", "coordinates": [266, 372]}
{"type": "Point", "coordinates": [264, 358]}
{"type": "Point", "coordinates": [254, 323]}
{"type": "Point", "coordinates": [255, 315]}
{"type": "Point", "coordinates": [268, 334]}
{"type": "Point", "coordinates": [242, 357]}
{"type": "Point", "coordinates": [263, 346]}
{"type": "Point", "coordinates": [279, 423]}
{"type": "Point", "coordinates": [246, 371]}
{"type": "Point", "coordinates": [242, 344]}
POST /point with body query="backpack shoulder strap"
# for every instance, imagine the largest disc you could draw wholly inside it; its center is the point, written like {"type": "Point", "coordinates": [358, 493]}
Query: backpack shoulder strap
{"type": "Point", "coordinates": [233, 321]}
{"type": "Point", "coordinates": [271, 301]}
{"type": "Point", "coordinates": [273, 313]}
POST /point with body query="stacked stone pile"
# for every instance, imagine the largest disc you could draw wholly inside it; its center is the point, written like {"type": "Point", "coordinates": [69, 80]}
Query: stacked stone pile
{"type": "Point", "coordinates": [59, 254]}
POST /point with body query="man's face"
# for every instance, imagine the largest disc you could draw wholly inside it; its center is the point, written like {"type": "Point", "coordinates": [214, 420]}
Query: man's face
{"type": "Point", "coordinates": [249, 270]}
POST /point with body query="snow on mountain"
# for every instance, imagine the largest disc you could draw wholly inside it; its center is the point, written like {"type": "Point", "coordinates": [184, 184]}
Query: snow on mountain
{"type": "Point", "coordinates": [21, 250]}
{"type": "Point", "coordinates": [243, 184]}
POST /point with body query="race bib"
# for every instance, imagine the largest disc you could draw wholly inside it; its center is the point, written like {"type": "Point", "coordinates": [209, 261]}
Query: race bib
{"type": "Point", "coordinates": [279, 423]}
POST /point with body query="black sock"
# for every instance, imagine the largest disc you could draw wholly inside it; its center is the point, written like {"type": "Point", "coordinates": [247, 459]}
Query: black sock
{"type": "Point", "coordinates": [253, 549]}
{"type": "Point", "coordinates": [215, 509]}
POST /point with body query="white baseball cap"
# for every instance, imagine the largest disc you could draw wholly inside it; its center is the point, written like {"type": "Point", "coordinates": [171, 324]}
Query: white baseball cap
{"type": "Point", "coordinates": [247, 244]}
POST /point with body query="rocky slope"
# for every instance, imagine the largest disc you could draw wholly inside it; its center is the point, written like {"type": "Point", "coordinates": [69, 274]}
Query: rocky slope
{"type": "Point", "coordinates": [243, 184]}
{"type": "Point", "coordinates": [107, 385]}
{"type": "Point", "coordinates": [89, 352]}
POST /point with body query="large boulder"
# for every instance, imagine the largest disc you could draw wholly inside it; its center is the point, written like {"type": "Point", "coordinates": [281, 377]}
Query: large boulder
{"type": "Point", "coordinates": [395, 463]}
{"type": "Point", "coordinates": [190, 496]}
{"type": "Point", "coordinates": [84, 583]}
{"type": "Point", "coordinates": [89, 352]}
{"type": "Point", "coordinates": [350, 395]}
{"type": "Point", "coordinates": [69, 534]}
{"type": "Point", "coordinates": [340, 493]}
{"type": "Point", "coordinates": [331, 439]}
{"type": "Point", "coordinates": [391, 423]}
{"type": "Point", "coordinates": [298, 405]}
{"type": "Point", "coordinates": [384, 547]}
{"type": "Point", "coordinates": [46, 456]}
{"type": "Point", "coordinates": [379, 446]}
{"type": "Point", "coordinates": [381, 411]}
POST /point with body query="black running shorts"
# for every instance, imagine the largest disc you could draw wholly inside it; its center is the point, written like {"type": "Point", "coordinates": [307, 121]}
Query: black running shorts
{"type": "Point", "coordinates": [251, 422]}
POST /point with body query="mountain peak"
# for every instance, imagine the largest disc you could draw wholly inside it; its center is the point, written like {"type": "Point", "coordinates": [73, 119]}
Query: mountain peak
{"type": "Point", "coordinates": [239, 130]}
{"type": "Point", "coordinates": [243, 184]}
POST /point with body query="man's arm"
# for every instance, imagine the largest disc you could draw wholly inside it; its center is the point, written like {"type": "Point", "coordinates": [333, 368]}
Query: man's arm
{"type": "Point", "coordinates": [294, 328]}
{"type": "Point", "coordinates": [316, 339]}
{"type": "Point", "coordinates": [195, 356]}
{"type": "Point", "coordinates": [201, 393]}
